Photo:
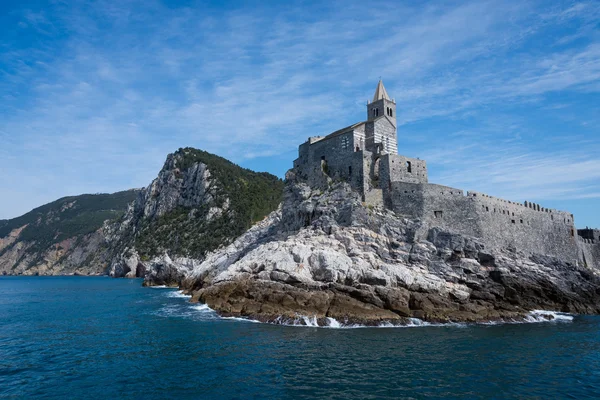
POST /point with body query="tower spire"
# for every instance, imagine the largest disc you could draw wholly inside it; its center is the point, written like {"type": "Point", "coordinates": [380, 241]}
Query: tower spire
{"type": "Point", "coordinates": [380, 92]}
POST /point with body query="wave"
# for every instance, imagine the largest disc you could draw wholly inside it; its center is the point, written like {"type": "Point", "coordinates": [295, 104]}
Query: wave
{"type": "Point", "coordinates": [548, 316]}
{"type": "Point", "coordinates": [178, 294]}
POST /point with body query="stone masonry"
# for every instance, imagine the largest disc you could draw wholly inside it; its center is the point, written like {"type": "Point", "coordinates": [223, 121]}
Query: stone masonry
{"type": "Point", "coordinates": [365, 154]}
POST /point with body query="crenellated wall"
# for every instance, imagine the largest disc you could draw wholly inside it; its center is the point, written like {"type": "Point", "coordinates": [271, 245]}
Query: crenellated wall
{"type": "Point", "coordinates": [500, 223]}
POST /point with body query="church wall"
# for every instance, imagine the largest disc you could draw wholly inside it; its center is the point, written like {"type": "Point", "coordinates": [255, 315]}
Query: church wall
{"type": "Point", "coordinates": [385, 133]}
{"type": "Point", "coordinates": [336, 157]}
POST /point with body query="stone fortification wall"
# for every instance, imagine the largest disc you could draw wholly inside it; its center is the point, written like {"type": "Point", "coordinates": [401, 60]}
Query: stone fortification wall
{"type": "Point", "coordinates": [397, 168]}
{"type": "Point", "coordinates": [499, 222]}
{"type": "Point", "coordinates": [435, 205]}
{"type": "Point", "coordinates": [527, 226]}
{"type": "Point", "coordinates": [589, 252]}
{"type": "Point", "coordinates": [593, 235]}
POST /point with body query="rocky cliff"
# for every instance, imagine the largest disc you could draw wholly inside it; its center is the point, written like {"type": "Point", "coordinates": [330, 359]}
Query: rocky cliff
{"type": "Point", "coordinates": [324, 254]}
{"type": "Point", "coordinates": [62, 237]}
{"type": "Point", "coordinates": [197, 203]}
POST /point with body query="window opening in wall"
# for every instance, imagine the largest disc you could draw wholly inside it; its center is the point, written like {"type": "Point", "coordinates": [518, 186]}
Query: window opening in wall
{"type": "Point", "coordinates": [357, 148]}
{"type": "Point", "coordinates": [345, 142]}
{"type": "Point", "coordinates": [376, 112]}
{"type": "Point", "coordinates": [322, 158]}
{"type": "Point", "coordinates": [437, 214]}
{"type": "Point", "coordinates": [513, 221]}
{"type": "Point", "coordinates": [487, 209]}
{"type": "Point", "coordinates": [350, 170]}
{"type": "Point", "coordinates": [572, 232]}
{"type": "Point", "coordinates": [409, 166]}
{"type": "Point", "coordinates": [521, 221]}
{"type": "Point", "coordinates": [391, 112]}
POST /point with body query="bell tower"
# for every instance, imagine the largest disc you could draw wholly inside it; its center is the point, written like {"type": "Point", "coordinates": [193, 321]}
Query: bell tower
{"type": "Point", "coordinates": [381, 105]}
{"type": "Point", "coordinates": [381, 128]}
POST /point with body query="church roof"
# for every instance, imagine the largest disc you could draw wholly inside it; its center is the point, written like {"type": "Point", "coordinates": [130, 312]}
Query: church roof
{"type": "Point", "coordinates": [380, 92]}
{"type": "Point", "coordinates": [344, 130]}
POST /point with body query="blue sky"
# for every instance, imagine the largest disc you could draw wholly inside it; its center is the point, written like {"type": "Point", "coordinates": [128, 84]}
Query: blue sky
{"type": "Point", "coordinates": [498, 97]}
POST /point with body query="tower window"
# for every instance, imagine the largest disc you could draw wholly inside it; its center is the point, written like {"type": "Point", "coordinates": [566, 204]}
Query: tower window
{"type": "Point", "coordinates": [376, 112]}
{"type": "Point", "coordinates": [409, 166]}
{"type": "Point", "coordinates": [391, 112]}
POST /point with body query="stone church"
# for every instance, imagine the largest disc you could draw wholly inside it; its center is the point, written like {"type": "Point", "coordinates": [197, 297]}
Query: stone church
{"type": "Point", "coordinates": [365, 155]}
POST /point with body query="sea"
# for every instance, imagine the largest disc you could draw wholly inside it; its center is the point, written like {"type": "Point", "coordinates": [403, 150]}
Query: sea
{"type": "Point", "coordinates": [103, 338]}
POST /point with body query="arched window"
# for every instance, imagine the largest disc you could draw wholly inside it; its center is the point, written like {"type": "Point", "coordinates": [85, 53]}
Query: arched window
{"type": "Point", "coordinates": [391, 112]}
{"type": "Point", "coordinates": [376, 112]}
{"type": "Point", "coordinates": [409, 166]}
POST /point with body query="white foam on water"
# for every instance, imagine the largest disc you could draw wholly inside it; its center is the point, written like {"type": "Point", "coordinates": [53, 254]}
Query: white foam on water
{"type": "Point", "coordinates": [242, 319]}
{"type": "Point", "coordinates": [310, 321]}
{"type": "Point", "coordinates": [159, 287]}
{"type": "Point", "coordinates": [201, 307]}
{"type": "Point", "coordinates": [178, 294]}
{"type": "Point", "coordinates": [333, 323]}
{"type": "Point", "coordinates": [547, 316]}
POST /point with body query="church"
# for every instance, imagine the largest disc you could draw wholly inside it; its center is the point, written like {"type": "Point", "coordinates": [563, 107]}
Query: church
{"type": "Point", "coordinates": [366, 156]}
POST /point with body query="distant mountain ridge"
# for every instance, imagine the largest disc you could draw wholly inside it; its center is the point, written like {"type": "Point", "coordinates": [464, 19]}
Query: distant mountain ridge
{"type": "Point", "coordinates": [62, 234]}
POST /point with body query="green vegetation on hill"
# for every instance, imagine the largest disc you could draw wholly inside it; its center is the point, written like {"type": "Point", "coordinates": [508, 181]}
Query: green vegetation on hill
{"type": "Point", "coordinates": [67, 217]}
{"type": "Point", "coordinates": [185, 231]}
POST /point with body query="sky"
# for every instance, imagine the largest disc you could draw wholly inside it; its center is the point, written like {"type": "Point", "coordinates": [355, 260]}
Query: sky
{"type": "Point", "coordinates": [500, 97]}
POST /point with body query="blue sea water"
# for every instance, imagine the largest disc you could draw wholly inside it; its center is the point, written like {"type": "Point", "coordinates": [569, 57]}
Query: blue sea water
{"type": "Point", "coordinates": [83, 337]}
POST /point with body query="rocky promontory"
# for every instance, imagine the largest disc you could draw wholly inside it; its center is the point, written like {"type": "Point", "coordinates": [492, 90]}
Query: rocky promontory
{"type": "Point", "coordinates": [326, 254]}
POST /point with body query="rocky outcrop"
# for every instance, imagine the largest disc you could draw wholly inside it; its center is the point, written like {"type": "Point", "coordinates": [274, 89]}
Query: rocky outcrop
{"type": "Point", "coordinates": [197, 203]}
{"type": "Point", "coordinates": [326, 255]}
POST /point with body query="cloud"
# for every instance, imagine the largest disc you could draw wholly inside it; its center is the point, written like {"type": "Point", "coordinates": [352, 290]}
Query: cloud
{"type": "Point", "coordinates": [96, 94]}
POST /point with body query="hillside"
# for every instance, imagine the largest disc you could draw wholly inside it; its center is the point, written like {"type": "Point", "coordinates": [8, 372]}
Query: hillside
{"type": "Point", "coordinates": [59, 236]}
{"type": "Point", "coordinates": [197, 203]}
{"type": "Point", "coordinates": [233, 199]}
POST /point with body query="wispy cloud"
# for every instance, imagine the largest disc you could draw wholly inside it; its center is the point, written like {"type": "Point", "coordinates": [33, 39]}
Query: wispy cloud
{"type": "Point", "coordinates": [93, 95]}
